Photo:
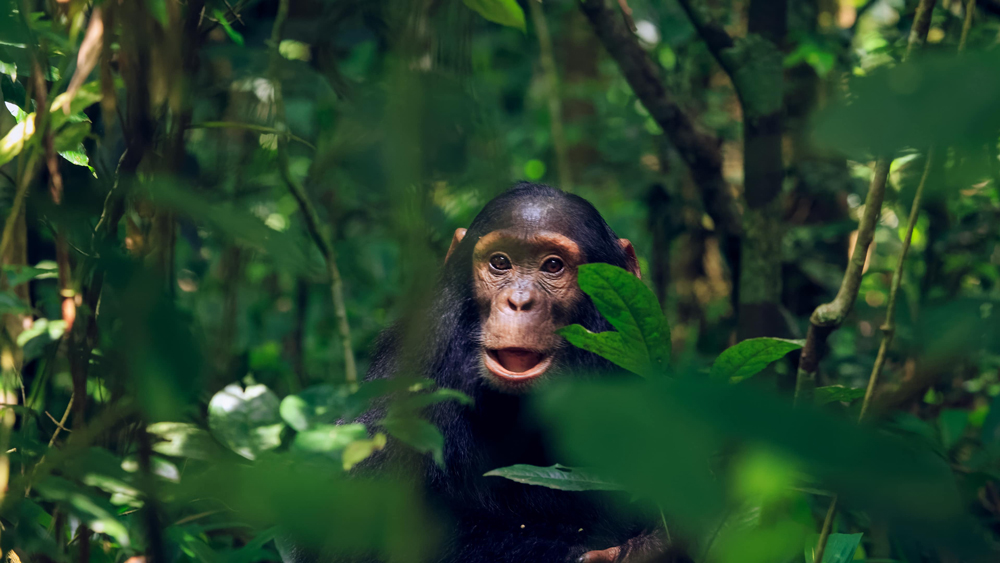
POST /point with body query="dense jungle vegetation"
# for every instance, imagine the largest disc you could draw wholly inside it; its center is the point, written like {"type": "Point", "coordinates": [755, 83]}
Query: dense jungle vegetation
{"type": "Point", "coordinates": [211, 208]}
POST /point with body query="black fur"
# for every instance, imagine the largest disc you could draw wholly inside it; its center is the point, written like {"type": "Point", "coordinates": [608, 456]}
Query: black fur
{"type": "Point", "coordinates": [491, 519]}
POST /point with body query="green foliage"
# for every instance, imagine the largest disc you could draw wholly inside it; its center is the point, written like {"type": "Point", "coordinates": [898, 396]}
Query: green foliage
{"type": "Point", "coordinates": [503, 12]}
{"type": "Point", "coordinates": [749, 357]}
{"type": "Point", "coordinates": [840, 548]}
{"type": "Point", "coordinates": [641, 340]}
{"type": "Point", "coordinates": [555, 477]}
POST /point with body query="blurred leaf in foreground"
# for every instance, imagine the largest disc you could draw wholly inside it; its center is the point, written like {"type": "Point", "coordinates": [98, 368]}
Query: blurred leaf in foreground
{"type": "Point", "coordinates": [246, 420]}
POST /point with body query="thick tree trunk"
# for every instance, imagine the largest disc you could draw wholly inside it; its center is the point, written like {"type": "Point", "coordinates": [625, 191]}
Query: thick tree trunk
{"type": "Point", "coordinates": [763, 170]}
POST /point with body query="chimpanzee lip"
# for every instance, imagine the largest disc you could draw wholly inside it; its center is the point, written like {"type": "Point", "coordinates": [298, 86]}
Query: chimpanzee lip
{"type": "Point", "coordinates": [492, 360]}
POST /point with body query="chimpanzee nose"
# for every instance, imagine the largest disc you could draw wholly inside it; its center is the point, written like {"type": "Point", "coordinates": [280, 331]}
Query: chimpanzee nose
{"type": "Point", "coordinates": [520, 300]}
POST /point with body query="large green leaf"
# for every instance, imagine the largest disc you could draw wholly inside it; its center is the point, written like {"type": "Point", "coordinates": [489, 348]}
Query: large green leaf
{"type": "Point", "coordinates": [183, 440]}
{"type": "Point", "coordinates": [641, 343]}
{"type": "Point", "coordinates": [840, 548]}
{"type": "Point", "coordinates": [837, 393]}
{"type": "Point", "coordinates": [503, 12]}
{"type": "Point", "coordinates": [246, 420]}
{"type": "Point", "coordinates": [555, 477]}
{"type": "Point", "coordinates": [330, 439]}
{"type": "Point", "coordinates": [749, 357]}
{"type": "Point", "coordinates": [14, 141]}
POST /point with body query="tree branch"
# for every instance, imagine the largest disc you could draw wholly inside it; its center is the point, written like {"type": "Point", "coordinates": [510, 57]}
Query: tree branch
{"type": "Point", "coordinates": [313, 223]}
{"type": "Point", "coordinates": [714, 36]}
{"type": "Point", "coordinates": [699, 150]}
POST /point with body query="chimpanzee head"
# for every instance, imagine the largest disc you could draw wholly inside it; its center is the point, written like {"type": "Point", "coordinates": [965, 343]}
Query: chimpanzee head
{"type": "Point", "coordinates": [518, 261]}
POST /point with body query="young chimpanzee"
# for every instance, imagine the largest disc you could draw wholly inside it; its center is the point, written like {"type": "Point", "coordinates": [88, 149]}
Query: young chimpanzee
{"type": "Point", "coordinates": [509, 282]}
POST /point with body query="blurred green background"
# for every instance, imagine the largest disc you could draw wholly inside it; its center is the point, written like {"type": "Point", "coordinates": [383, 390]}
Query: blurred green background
{"type": "Point", "coordinates": [212, 208]}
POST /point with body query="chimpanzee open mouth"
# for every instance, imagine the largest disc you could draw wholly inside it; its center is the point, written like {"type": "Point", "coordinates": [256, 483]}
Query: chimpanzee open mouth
{"type": "Point", "coordinates": [517, 363]}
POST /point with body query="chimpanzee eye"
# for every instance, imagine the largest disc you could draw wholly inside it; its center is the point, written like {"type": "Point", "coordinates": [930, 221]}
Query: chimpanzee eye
{"type": "Point", "coordinates": [500, 262]}
{"type": "Point", "coordinates": [552, 265]}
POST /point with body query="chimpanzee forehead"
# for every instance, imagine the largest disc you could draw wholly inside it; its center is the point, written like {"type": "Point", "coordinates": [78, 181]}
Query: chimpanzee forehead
{"type": "Point", "coordinates": [529, 216]}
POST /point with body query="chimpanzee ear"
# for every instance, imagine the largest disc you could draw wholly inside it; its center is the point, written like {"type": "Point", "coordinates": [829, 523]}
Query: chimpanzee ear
{"type": "Point", "coordinates": [633, 262]}
{"type": "Point", "coordinates": [455, 239]}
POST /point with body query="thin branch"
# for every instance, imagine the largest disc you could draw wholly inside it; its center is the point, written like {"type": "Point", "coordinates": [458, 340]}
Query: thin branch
{"type": "Point", "coordinates": [313, 223]}
{"type": "Point", "coordinates": [970, 12]}
{"type": "Point", "coordinates": [699, 150]}
{"type": "Point", "coordinates": [809, 362]}
{"type": "Point", "coordinates": [714, 36]}
{"type": "Point", "coordinates": [250, 127]}
{"type": "Point", "coordinates": [552, 95]}
{"type": "Point", "coordinates": [824, 533]}
{"type": "Point", "coordinates": [889, 326]}
{"type": "Point", "coordinates": [829, 316]}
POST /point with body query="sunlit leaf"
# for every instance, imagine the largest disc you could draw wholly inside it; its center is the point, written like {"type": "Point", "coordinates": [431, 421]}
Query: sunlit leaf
{"type": "Point", "coordinates": [246, 420]}
{"type": "Point", "coordinates": [749, 357]}
{"type": "Point", "coordinates": [359, 450]}
{"type": "Point", "coordinates": [220, 16]}
{"type": "Point", "coordinates": [555, 477]}
{"type": "Point", "coordinates": [330, 439]}
{"type": "Point", "coordinates": [183, 440]}
{"type": "Point", "coordinates": [503, 12]}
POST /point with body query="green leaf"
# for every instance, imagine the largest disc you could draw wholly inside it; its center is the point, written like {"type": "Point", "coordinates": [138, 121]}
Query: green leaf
{"type": "Point", "coordinates": [183, 440]}
{"type": "Point", "coordinates": [837, 393]}
{"type": "Point", "coordinates": [13, 142]}
{"type": "Point", "coordinates": [97, 512]}
{"type": "Point", "coordinates": [329, 439]}
{"type": "Point", "coordinates": [316, 405]}
{"type": "Point", "coordinates": [246, 420]}
{"type": "Point", "coordinates": [991, 426]}
{"type": "Point", "coordinates": [840, 548]}
{"type": "Point", "coordinates": [642, 341]}
{"type": "Point", "coordinates": [503, 12]}
{"type": "Point", "coordinates": [556, 477]}
{"type": "Point", "coordinates": [419, 401]}
{"type": "Point", "coordinates": [953, 423]}
{"type": "Point", "coordinates": [418, 434]}
{"type": "Point", "coordinates": [18, 274]}
{"type": "Point", "coordinates": [358, 450]}
{"type": "Point", "coordinates": [232, 33]}
{"type": "Point", "coordinates": [749, 357]}
{"type": "Point", "coordinates": [10, 303]}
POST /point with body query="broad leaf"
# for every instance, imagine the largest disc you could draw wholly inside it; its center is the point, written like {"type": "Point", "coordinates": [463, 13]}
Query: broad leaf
{"type": "Point", "coordinates": [316, 405]}
{"type": "Point", "coordinates": [555, 477]}
{"type": "Point", "coordinates": [358, 450]}
{"type": "Point", "coordinates": [183, 440]}
{"type": "Point", "coordinates": [837, 393]}
{"type": "Point", "coordinates": [641, 343]}
{"type": "Point", "coordinates": [246, 420]}
{"type": "Point", "coordinates": [503, 12]}
{"type": "Point", "coordinates": [953, 423]}
{"type": "Point", "coordinates": [749, 357]}
{"type": "Point", "coordinates": [840, 548]}
{"type": "Point", "coordinates": [329, 439]}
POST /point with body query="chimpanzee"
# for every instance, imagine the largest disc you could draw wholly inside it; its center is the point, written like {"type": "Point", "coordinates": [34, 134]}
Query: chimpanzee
{"type": "Point", "coordinates": [509, 281]}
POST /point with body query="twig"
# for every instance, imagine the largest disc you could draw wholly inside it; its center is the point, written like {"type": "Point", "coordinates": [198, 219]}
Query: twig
{"type": "Point", "coordinates": [918, 35]}
{"type": "Point", "coordinates": [970, 11]}
{"type": "Point", "coordinates": [250, 127]}
{"type": "Point", "coordinates": [552, 93]}
{"type": "Point", "coordinates": [829, 316]}
{"type": "Point", "coordinates": [18, 205]}
{"type": "Point", "coordinates": [889, 326]}
{"type": "Point", "coordinates": [824, 533]}
{"type": "Point", "coordinates": [313, 223]}
{"type": "Point", "coordinates": [627, 15]}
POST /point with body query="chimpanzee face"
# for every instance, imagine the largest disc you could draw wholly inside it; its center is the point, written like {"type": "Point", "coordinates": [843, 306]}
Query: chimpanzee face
{"type": "Point", "coordinates": [525, 287]}
{"type": "Point", "coordinates": [524, 282]}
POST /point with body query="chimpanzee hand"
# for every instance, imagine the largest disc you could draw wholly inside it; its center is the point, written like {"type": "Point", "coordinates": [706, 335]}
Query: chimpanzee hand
{"type": "Point", "coordinates": [647, 548]}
